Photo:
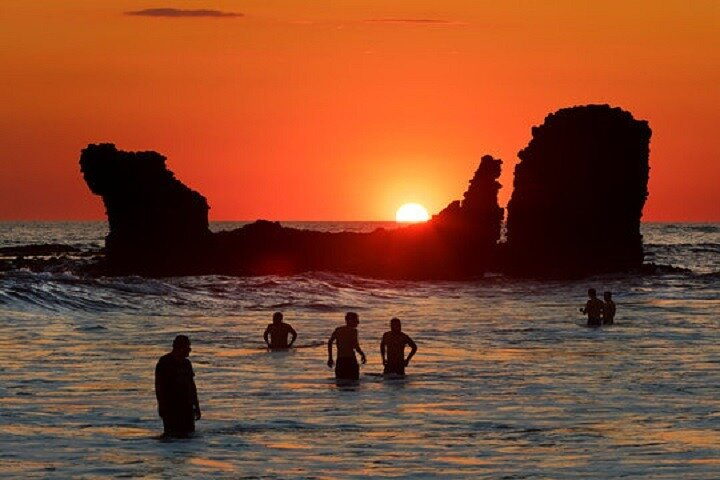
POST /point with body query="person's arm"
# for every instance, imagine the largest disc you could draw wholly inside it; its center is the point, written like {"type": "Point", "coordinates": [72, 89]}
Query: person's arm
{"type": "Point", "coordinates": [193, 392]}
{"type": "Point", "coordinates": [413, 349]}
{"type": "Point", "coordinates": [265, 336]}
{"type": "Point", "coordinates": [160, 389]}
{"type": "Point", "coordinates": [196, 402]}
{"type": "Point", "coordinates": [382, 350]}
{"type": "Point", "coordinates": [363, 359]}
{"type": "Point", "coordinates": [585, 309]}
{"type": "Point", "coordinates": [294, 336]}
{"type": "Point", "coordinates": [330, 362]}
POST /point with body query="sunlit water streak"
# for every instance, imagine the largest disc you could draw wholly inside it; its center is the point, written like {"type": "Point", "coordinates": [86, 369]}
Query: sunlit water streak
{"type": "Point", "coordinates": [506, 384]}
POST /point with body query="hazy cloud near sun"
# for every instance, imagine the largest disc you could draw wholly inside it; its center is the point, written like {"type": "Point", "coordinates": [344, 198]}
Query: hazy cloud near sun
{"type": "Point", "coordinates": [414, 21]}
{"type": "Point", "coordinates": [182, 13]}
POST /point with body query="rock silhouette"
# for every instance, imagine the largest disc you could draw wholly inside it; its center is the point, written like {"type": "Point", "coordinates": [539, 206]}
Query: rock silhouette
{"type": "Point", "coordinates": [579, 192]}
{"type": "Point", "coordinates": [578, 195]}
{"type": "Point", "coordinates": [157, 224]}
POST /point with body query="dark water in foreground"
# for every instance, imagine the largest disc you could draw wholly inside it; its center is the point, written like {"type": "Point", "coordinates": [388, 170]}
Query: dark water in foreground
{"type": "Point", "coordinates": [506, 384]}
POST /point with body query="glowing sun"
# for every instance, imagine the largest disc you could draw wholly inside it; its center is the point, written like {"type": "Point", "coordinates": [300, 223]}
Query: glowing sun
{"type": "Point", "coordinates": [412, 212]}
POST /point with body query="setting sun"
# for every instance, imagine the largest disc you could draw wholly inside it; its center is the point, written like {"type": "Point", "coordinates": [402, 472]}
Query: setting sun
{"type": "Point", "coordinates": [412, 212]}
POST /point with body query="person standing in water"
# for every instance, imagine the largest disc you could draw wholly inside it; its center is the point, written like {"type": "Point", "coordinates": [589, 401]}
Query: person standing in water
{"type": "Point", "coordinates": [346, 367]}
{"type": "Point", "coordinates": [394, 342]}
{"type": "Point", "coordinates": [175, 390]}
{"type": "Point", "coordinates": [278, 332]}
{"type": "Point", "coordinates": [608, 309]}
{"type": "Point", "coordinates": [593, 309]}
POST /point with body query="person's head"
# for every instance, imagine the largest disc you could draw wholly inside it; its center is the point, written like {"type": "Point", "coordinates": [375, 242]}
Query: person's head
{"type": "Point", "coordinates": [395, 325]}
{"type": "Point", "coordinates": [592, 293]}
{"type": "Point", "coordinates": [607, 296]}
{"type": "Point", "coordinates": [181, 346]}
{"type": "Point", "coordinates": [277, 318]}
{"type": "Point", "coordinates": [352, 319]}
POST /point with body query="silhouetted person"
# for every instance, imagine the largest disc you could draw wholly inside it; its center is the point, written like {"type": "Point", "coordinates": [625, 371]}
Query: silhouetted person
{"type": "Point", "coordinates": [346, 367]}
{"type": "Point", "coordinates": [593, 309]}
{"type": "Point", "coordinates": [394, 343]}
{"type": "Point", "coordinates": [608, 309]}
{"type": "Point", "coordinates": [278, 332]}
{"type": "Point", "coordinates": [175, 390]}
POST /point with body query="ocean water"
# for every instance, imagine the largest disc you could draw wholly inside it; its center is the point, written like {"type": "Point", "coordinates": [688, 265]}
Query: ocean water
{"type": "Point", "coordinates": [507, 383]}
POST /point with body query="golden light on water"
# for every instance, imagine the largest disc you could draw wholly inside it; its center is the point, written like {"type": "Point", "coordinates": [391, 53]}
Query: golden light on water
{"type": "Point", "coordinates": [412, 213]}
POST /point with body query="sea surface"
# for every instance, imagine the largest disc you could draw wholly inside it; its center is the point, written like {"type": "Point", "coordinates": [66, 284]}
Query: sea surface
{"type": "Point", "coordinates": [507, 383]}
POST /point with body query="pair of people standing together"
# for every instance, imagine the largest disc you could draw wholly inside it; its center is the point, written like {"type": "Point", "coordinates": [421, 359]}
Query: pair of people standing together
{"type": "Point", "coordinates": [392, 349]}
{"type": "Point", "coordinates": [599, 312]}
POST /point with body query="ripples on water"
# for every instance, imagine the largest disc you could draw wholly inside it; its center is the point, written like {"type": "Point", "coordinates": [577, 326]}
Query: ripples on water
{"type": "Point", "coordinates": [506, 383]}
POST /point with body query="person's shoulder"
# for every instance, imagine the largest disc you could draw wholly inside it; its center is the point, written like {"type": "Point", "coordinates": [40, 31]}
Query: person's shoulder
{"type": "Point", "coordinates": [164, 362]}
{"type": "Point", "coordinates": [165, 358]}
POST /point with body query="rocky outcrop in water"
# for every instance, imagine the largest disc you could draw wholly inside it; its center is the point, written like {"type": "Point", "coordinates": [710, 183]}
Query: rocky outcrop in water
{"type": "Point", "coordinates": [460, 242]}
{"type": "Point", "coordinates": [579, 192]}
{"type": "Point", "coordinates": [159, 226]}
{"type": "Point", "coordinates": [578, 196]}
{"type": "Point", "coordinates": [156, 222]}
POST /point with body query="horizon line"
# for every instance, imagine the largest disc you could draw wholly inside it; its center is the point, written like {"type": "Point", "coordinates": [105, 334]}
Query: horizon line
{"type": "Point", "coordinates": [98, 220]}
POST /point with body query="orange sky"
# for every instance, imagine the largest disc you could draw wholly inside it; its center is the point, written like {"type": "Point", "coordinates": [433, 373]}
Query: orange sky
{"type": "Point", "coordinates": [343, 110]}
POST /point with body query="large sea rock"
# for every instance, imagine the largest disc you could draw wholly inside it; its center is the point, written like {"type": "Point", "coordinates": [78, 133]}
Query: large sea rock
{"type": "Point", "coordinates": [578, 195]}
{"type": "Point", "coordinates": [157, 224]}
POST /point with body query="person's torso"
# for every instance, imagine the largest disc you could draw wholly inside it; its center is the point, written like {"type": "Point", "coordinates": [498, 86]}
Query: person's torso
{"type": "Point", "coordinates": [279, 335]}
{"type": "Point", "coordinates": [395, 346]}
{"type": "Point", "coordinates": [609, 310]}
{"type": "Point", "coordinates": [594, 308]}
{"type": "Point", "coordinates": [177, 378]}
{"type": "Point", "coordinates": [346, 341]}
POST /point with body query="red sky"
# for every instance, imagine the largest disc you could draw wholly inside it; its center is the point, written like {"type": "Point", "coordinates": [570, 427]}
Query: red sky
{"type": "Point", "coordinates": [344, 110]}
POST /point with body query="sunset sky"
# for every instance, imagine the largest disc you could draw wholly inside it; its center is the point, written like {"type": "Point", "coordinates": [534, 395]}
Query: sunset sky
{"type": "Point", "coordinates": [344, 110]}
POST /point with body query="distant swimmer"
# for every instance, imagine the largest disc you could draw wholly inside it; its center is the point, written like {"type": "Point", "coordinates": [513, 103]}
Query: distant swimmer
{"type": "Point", "coordinates": [394, 342]}
{"type": "Point", "coordinates": [346, 367]}
{"type": "Point", "coordinates": [593, 309]}
{"type": "Point", "coordinates": [278, 332]}
{"type": "Point", "coordinates": [175, 389]}
{"type": "Point", "coordinates": [608, 309]}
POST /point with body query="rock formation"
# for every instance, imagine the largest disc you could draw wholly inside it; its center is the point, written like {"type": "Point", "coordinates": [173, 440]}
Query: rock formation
{"type": "Point", "coordinates": [579, 191]}
{"type": "Point", "coordinates": [157, 224]}
{"type": "Point", "coordinates": [578, 195]}
{"type": "Point", "coordinates": [460, 242]}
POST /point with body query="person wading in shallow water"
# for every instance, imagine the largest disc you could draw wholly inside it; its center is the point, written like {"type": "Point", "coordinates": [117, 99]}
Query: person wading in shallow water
{"type": "Point", "coordinates": [394, 343]}
{"type": "Point", "coordinates": [593, 309]}
{"type": "Point", "coordinates": [278, 332]}
{"type": "Point", "coordinates": [175, 389]}
{"type": "Point", "coordinates": [347, 367]}
{"type": "Point", "coordinates": [608, 309]}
